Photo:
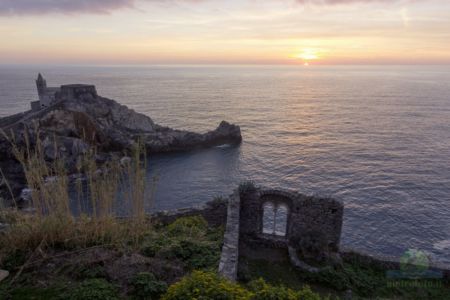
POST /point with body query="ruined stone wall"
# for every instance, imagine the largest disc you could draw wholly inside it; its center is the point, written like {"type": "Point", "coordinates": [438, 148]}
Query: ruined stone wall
{"type": "Point", "coordinates": [75, 91]}
{"type": "Point", "coordinates": [310, 220]}
{"type": "Point", "coordinates": [229, 259]}
{"type": "Point", "coordinates": [316, 217]}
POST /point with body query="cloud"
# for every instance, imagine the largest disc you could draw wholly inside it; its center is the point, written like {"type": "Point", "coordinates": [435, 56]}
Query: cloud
{"type": "Point", "coordinates": [345, 1]}
{"type": "Point", "coordinates": [38, 7]}
{"type": "Point", "coordinates": [336, 1]}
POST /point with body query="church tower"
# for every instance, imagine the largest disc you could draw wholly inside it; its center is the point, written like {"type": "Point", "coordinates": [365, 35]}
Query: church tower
{"type": "Point", "coordinates": [41, 85]}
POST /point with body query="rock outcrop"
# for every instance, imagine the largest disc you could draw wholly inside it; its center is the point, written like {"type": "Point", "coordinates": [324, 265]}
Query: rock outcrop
{"type": "Point", "coordinates": [77, 123]}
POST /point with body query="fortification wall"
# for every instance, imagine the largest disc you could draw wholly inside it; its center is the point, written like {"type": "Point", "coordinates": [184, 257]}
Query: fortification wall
{"type": "Point", "coordinates": [75, 91]}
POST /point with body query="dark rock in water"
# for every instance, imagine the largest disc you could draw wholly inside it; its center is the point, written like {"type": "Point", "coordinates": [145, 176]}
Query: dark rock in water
{"type": "Point", "coordinates": [70, 126]}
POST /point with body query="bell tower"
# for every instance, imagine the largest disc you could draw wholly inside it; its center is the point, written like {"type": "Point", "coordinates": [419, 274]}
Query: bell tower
{"type": "Point", "coordinates": [41, 85]}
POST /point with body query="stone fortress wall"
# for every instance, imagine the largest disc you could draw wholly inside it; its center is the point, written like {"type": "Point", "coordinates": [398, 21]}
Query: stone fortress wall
{"type": "Point", "coordinates": [51, 95]}
{"type": "Point", "coordinates": [75, 91]}
{"type": "Point", "coordinates": [279, 224]}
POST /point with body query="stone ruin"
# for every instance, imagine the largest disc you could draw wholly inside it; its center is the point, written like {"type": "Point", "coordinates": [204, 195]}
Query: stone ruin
{"type": "Point", "coordinates": [276, 225]}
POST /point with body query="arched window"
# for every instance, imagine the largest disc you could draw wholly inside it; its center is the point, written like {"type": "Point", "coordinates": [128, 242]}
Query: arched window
{"type": "Point", "coordinates": [268, 218]}
{"type": "Point", "coordinates": [275, 218]}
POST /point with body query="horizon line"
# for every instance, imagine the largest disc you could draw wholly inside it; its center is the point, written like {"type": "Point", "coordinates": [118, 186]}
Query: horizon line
{"type": "Point", "coordinates": [311, 65]}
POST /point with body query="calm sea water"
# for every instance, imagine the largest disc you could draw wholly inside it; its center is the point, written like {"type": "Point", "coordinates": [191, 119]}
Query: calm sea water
{"type": "Point", "coordinates": [378, 138]}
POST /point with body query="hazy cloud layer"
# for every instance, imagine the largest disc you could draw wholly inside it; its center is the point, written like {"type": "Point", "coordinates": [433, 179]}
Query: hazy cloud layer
{"type": "Point", "coordinates": [38, 7]}
{"type": "Point", "coordinates": [342, 1]}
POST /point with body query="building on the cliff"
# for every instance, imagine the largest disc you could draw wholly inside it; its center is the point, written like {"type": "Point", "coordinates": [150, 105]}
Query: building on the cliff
{"type": "Point", "coordinates": [51, 95]}
{"type": "Point", "coordinates": [280, 225]}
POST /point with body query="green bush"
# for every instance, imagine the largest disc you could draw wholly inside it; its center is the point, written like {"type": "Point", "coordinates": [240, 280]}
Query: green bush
{"type": "Point", "coordinates": [189, 240]}
{"type": "Point", "coordinates": [206, 286]}
{"type": "Point", "coordinates": [94, 289]}
{"type": "Point", "coordinates": [188, 226]}
{"type": "Point", "coordinates": [202, 285]}
{"type": "Point", "coordinates": [146, 286]}
{"type": "Point", "coordinates": [263, 291]}
{"type": "Point", "coordinates": [196, 254]}
{"type": "Point", "coordinates": [89, 272]}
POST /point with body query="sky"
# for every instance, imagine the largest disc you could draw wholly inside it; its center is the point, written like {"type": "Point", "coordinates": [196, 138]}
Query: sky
{"type": "Point", "coordinates": [305, 32]}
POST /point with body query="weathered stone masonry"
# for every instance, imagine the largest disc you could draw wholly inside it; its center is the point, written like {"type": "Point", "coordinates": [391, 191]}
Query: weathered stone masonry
{"type": "Point", "coordinates": [312, 229]}
{"type": "Point", "coordinates": [229, 259]}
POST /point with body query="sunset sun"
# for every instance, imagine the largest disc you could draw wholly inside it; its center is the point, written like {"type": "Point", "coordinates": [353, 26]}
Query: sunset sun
{"type": "Point", "coordinates": [306, 56]}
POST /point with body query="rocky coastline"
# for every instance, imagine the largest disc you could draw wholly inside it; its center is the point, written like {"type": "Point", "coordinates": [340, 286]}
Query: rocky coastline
{"type": "Point", "coordinates": [85, 121]}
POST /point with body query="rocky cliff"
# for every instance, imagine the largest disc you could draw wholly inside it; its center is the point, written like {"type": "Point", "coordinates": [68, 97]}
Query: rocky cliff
{"type": "Point", "coordinates": [76, 124]}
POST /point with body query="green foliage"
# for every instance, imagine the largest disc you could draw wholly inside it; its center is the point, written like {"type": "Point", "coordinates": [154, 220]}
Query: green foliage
{"type": "Point", "coordinates": [196, 254]}
{"type": "Point", "coordinates": [30, 292]}
{"type": "Point", "coordinates": [90, 272]}
{"type": "Point", "coordinates": [263, 291]}
{"type": "Point", "coordinates": [202, 285]}
{"type": "Point", "coordinates": [34, 293]}
{"type": "Point", "coordinates": [188, 240]}
{"type": "Point", "coordinates": [146, 286]}
{"type": "Point", "coordinates": [94, 289]}
{"type": "Point", "coordinates": [188, 226]}
{"type": "Point", "coordinates": [363, 281]}
{"type": "Point", "coordinates": [14, 259]}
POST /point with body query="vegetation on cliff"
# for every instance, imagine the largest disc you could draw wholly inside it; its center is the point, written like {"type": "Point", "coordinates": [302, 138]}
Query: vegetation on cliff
{"type": "Point", "coordinates": [66, 248]}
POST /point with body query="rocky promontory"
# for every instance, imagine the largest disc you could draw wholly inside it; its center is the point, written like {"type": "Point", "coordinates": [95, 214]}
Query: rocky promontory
{"type": "Point", "coordinates": [78, 122]}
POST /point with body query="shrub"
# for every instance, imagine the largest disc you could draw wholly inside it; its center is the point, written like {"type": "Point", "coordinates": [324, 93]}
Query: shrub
{"type": "Point", "coordinates": [203, 285]}
{"type": "Point", "coordinates": [55, 223]}
{"type": "Point", "coordinates": [188, 226]}
{"type": "Point", "coordinates": [89, 272]}
{"type": "Point", "coordinates": [187, 239]}
{"type": "Point", "coordinates": [263, 291]}
{"type": "Point", "coordinates": [196, 254]}
{"type": "Point", "coordinates": [94, 289]}
{"type": "Point", "coordinates": [146, 286]}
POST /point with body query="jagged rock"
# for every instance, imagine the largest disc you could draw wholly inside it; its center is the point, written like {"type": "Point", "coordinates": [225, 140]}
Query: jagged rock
{"type": "Point", "coordinates": [71, 125]}
{"type": "Point", "coordinates": [26, 196]}
{"type": "Point", "coordinates": [113, 127]}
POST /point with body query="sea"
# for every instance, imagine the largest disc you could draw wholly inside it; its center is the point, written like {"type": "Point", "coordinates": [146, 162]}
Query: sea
{"type": "Point", "coordinates": [375, 137]}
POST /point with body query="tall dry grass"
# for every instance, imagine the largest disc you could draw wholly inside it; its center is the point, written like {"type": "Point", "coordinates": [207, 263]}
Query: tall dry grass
{"type": "Point", "coordinates": [88, 217]}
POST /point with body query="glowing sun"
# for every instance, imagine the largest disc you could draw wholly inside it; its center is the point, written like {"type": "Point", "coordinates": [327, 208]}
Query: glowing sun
{"type": "Point", "coordinates": [307, 55]}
